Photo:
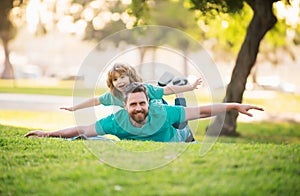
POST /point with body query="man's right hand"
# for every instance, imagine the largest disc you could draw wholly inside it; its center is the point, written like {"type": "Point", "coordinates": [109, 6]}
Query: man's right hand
{"type": "Point", "coordinates": [36, 133]}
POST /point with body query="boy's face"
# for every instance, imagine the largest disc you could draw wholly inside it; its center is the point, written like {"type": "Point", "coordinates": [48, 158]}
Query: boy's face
{"type": "Point", "coordinates": [120, 81]}
{"type": "Point", "coordinates": [137, 107]}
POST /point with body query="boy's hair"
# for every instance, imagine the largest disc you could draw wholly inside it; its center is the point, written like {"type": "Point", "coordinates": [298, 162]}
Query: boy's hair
{"type": "Point", "coordinates": [122, 69]}
{"type": "Point", "coordinates": [135, 87]}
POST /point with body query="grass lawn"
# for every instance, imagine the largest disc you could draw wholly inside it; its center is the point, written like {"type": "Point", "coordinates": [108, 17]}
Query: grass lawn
{"type": "Point", "coordinates": [27, 86]}
{"type": "Point", "coordinates": [263, 160]}
{"type": "Point", "coordinates": [254, 164]}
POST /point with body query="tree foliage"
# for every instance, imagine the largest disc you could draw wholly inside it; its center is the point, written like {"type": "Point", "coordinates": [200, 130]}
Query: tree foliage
{"type": "Point", "coordinates": [210, 6]}
{"type": "Point", "coordinates": [262, 21]}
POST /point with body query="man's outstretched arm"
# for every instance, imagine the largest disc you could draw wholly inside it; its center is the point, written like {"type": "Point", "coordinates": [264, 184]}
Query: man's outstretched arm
{"type": "Point", "coordinates": [66, 133]}
{"type": "Point", "coordinates": [214, 109]}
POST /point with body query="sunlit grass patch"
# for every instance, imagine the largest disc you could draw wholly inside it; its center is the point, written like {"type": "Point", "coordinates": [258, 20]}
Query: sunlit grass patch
{"type": "Point", "coordinates": [45, 87]}
{"type": "Point", "coordinates": [36, 119]}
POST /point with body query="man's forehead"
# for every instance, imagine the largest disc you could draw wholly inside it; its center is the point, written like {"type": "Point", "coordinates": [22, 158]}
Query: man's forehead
{"type": "Point", "coordinates": [138, 96]}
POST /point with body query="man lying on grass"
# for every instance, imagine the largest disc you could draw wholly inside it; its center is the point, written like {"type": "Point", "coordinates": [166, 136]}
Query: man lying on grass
{"type": "Point", "coordinates": [141, 120]}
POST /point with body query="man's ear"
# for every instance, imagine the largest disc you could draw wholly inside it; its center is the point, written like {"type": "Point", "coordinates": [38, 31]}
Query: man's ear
{"type": "Point", "coordinates": [124, 104]}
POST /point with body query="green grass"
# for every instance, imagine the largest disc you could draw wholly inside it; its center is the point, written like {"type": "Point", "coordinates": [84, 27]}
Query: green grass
{"type": "Point", "coordinates": [37, 119]}
{"type": "Point", "coordinates": [52, 87]}
{"type": "Point", "coordinates": [256, 132]}
{"type": "Point", "coordinates": [281, 102]}
{"type": "Point", "coordinates": [258, 163]}
{"type": "Point", "coordinates": [36, 87]}
{"type": "Point", "coordinates": [37, 90]}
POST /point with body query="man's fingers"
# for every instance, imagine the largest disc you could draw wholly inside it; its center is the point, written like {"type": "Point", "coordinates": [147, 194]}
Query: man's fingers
{"type": "Point", "coordinates": [259, 108]}
{"type": "Point", "coordinates": [250, 108]}
{"type": "Point", "coordinates": [246, 113]}
{"type": "Point", "coordinates": [28, 134]}
{"type": "Point", "coordinates": [35, 133]}
{"type": "Point", "coordinates": [249, 114]}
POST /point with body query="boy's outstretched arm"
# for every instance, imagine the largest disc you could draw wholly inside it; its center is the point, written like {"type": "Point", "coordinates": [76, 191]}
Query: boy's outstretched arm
{"type": "Point", "coordinates": [192, 113]}
{"type": "Point", "coordinates": [168, 90]}
{"type": "Point", "coordinates": [88, 103]}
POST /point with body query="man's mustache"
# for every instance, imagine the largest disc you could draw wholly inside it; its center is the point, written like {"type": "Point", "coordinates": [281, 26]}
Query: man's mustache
{"type": "Point", "coordinates": [139, 111]}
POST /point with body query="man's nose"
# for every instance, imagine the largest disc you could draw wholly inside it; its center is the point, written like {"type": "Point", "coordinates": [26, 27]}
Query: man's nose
{"type": "Point", "coordinates": [138, 108]}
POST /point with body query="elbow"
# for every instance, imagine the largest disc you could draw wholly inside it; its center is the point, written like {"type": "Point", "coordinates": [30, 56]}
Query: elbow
{"type": "Point", "coordinates": [168, 91]}
{"type": "Point", "coordinates": [96, 101]}
{"type": "Point", "coordinates": [205, 115]}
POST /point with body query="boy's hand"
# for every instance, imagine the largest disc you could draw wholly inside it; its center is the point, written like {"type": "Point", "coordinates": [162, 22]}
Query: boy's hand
{"type": "Point", "coordinates": [71, 109]}
{"type": "Point", "coordinates": [197, 83]}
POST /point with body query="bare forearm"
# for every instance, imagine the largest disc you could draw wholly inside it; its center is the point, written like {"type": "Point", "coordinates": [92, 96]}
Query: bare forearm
{"type": "Point", "coordinates": [215, 109]}
{"type": "Point", "coordinates": [88, 103]}
{"type": "Point", "coordinates": [168, 90]}
{"type": "Point", "coordinates": [64, 133]}
{"type": "Point", "coordinates": [205, 111]}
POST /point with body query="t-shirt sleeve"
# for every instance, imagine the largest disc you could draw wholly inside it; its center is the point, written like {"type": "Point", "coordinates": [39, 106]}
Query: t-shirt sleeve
{"type": "Point", "coordinates": [105, 125]}
{"type": "Point", "coordinates": [154, 92]}
{"type": "Point", "coordinates": [105, 99]}
{"type": "Point", "coordinates": [176, 114]}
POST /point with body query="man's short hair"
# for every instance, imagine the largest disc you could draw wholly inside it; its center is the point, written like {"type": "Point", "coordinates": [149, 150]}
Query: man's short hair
{"type": "Point", "coordinates": [135, 87]}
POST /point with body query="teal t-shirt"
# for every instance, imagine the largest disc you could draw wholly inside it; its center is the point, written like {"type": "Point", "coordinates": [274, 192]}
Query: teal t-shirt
{"type": "Point", "coordinates": [154, 92]}
{"type": "Point", "coordinates": [157, 128]}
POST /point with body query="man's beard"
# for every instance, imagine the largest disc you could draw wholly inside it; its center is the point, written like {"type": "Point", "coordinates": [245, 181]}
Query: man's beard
{"type": "Point", "coordinates": [140, 118]}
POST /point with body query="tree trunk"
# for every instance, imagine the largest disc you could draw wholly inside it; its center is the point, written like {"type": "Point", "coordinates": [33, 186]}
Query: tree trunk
{"type": "Point", "coordinates": [142, 57]}
{"type": "Point", "coordinates": [254, 75]}
{"type": "Point", "coordinates": [184, 45]}
{"type": "Point", "coordinates": [8, 71]}
{"type": "Point", "coordinates": [6, 34]}
{"type": "Point", "coordinates": [263, 20]}
{"type": "Point", "coordinates": [154, 49]}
